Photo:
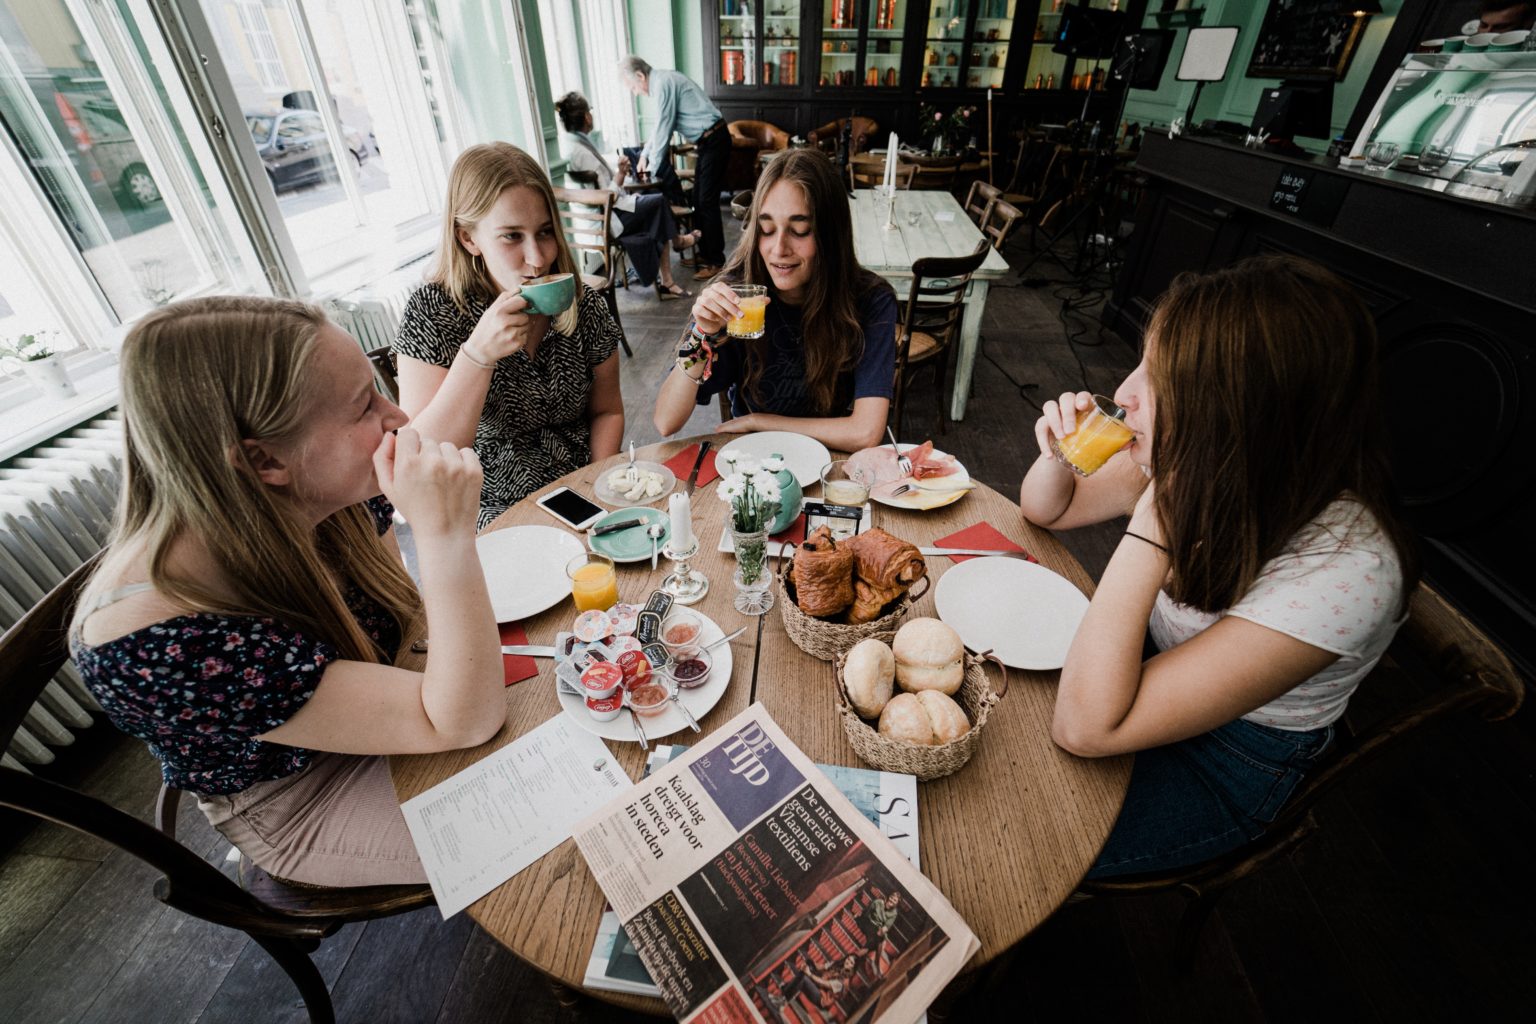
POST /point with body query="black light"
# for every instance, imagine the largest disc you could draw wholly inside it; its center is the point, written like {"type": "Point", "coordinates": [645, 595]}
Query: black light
{"type": "Point", "coordinates": [1362, 8]}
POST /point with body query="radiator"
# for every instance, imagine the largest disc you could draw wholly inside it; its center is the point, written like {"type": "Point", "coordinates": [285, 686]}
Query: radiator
{"type": "Point", "coordinates": [56, 508]}
{"type": "Point", "coordinates": [372, 313]}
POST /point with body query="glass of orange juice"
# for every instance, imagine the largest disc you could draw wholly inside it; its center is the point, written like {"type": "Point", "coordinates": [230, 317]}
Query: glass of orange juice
{"type": "Point", "coordinates": [1101, 432]}
{"type": "Point", "coordinates": [753, 300]}
{"type": "Point", "coordinates": [594, 584]}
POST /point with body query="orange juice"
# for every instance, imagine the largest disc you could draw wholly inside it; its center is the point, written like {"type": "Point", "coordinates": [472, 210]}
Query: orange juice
{"type": "Point", "coordinates": [594, 585]}
{"type": "Point", "coordinates": [753, 300]}
{"type": "Point", "coordinates": [1099, 434]}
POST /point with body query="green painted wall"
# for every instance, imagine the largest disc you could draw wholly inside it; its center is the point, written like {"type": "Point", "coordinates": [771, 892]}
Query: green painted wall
{"type": "Point", "coordinates": [1237, 97]}
{"type": "Point", "coordinates": [667, 36]}
{"type": "Point", "coordinates": [477, 36]}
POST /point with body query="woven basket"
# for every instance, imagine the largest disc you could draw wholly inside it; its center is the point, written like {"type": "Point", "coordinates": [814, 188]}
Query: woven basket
{"type": "Point", "coordinates": [826, 640]}
{"type": "Point", "coordinates": [975, 696]}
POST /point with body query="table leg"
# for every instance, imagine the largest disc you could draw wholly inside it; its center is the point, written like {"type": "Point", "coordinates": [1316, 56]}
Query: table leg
{"type": "Point", "coordinates": [970, 341]}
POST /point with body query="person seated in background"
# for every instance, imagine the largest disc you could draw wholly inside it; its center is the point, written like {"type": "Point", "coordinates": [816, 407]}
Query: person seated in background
{"type": "Point", "coordinates": [643, 223]}
{"type": "Point", "coordinates": [246, 612]}
{"type": "Point", "coordinates": [1498, 16]}
{"type": "Point", "coordinates": [826, 363]}
{"type": "Point", "coordinates": [1264, 556]}
{"type": "Point", "coordinates": [538, 396]}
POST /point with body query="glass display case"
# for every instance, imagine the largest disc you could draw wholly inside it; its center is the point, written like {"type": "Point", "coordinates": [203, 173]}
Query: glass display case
{"type": "Point", "coordinates": [759, 43]}
{"type": "Point", "coordinates": [861, 43]}
{"type": "Point", "coordinates": [1050, 70]}
{"type": "Point", "coordinates": [966, 43]}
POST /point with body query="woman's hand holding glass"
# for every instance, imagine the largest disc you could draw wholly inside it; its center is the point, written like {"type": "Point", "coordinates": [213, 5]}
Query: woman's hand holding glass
{"type": "Point", "coordinates": [715, 307]}
{"type": "Point", "coordinates": [1060, 418]}
{"type": "Point", "coordinates": [435, 485]}
{"type": "Point", "coordinates": [504, 328]}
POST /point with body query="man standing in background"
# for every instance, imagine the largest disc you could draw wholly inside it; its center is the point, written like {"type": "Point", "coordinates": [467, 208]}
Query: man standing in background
{"type": "Point", "coordinates": [681, 106]}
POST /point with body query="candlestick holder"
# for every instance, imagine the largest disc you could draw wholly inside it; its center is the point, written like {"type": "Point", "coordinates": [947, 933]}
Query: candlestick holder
{"type": "Point", "coordinates": [684, 583]}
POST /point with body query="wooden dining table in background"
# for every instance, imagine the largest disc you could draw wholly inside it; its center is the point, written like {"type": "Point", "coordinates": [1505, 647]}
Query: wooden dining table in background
{"type": "Point", "coordinates": [1006, 839]}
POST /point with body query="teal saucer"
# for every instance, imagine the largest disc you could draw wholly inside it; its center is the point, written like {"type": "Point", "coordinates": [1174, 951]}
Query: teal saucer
{"type": "Point", "coordinates": [633, 544]}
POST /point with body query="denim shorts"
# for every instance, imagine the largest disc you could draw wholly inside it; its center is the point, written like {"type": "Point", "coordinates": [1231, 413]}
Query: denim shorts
{"type": "Point", "coordinates": [1192, 800]}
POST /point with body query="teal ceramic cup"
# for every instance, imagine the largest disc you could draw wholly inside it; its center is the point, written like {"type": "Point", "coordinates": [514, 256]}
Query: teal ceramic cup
{"type": "Point", "coordinates": [551, 294]}
{"type": "Point", "coordinates": [1507, 42]}
{"type": "Point", "coordinates": [1480, 42]}
{"type": "Point", "coordinates": [1453, 44]}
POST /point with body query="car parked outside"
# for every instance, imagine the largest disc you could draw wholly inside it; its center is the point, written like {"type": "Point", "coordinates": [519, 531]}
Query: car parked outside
{"type": "Point", "coordinates": [294, 148]}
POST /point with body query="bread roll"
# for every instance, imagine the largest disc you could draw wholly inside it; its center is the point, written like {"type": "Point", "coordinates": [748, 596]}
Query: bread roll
{"type": "Point", "coordinates": [929, 656]}
{"type": "Point", "coordinates": [867, 676]}
{"type": "Point", "coordinates": [928, 719]}
{"type": "Point", "coordinates": [947, 718]}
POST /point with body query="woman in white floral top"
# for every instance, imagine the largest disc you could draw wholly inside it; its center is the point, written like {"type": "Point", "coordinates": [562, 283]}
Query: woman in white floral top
{"type": "Point", "coordinates": [1264, 559]}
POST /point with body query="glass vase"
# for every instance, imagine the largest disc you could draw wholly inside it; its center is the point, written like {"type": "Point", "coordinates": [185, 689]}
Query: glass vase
{"type": "Point", "coordinates": [754, 583]}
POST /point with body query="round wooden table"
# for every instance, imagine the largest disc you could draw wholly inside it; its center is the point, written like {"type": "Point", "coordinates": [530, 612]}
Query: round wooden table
{"type": "Point", "coordinates": [1006, 839]}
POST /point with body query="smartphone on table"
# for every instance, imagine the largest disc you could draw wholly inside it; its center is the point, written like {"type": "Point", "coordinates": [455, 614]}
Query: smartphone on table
{"type": "Point", "coordinates": [570, 508]}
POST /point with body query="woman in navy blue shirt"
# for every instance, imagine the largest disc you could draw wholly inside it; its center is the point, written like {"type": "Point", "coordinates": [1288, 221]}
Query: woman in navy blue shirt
{"type": "Point", "coordinates": [826, 363]}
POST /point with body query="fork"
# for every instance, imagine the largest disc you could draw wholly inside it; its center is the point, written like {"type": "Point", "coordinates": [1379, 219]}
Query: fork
{"type": "Point", "coordinates": [902, 462]}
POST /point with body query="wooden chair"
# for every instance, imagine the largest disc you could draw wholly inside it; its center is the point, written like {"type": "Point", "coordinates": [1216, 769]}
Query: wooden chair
{"type": "Point", "coordinates": [930, 324]}
{"type": "Point", "coordinates": [938, 175]}
{"type": "Point", "coordinates": [978, 201]}
{"type": "Point", "coordinates": [1000, 220]}
{"type": "Point", "coordinates": [287, 921]}
{"type": "Point", "coordinates": [586, 215]}
{"type": "Point", "coordinates": [869, 172]}
{"type": "Point", "coordinates": [1437, 645]}
{"type": "Point", "coordinates": [829, 136]}
{"type": "Point", "coordinates": [383, 360]}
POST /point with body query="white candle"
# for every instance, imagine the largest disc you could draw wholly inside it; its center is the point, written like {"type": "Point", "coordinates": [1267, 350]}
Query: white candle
{"type": "Point", "coordinates": [890, 164]}
{"type": "Point", "coordinates": [681, 511]}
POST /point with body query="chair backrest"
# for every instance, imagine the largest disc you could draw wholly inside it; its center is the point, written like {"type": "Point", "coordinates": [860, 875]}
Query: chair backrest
{"type": "Point", "coordinates": [383, 360]}
{"type": "Point", "coordinates": [1033, 167]}
{"type": "Point", "coordinates": [827, 136]}
{"type": "Point", "coordinates": [583, 179]}
{"type": "Point", "coordinates": [1001, 218]}
{"type": "Point", "coordinates": [586, 215]}
{"type": "Point", "coordinates": [758, 134]}
{"type": "Point", "coordinates": [978, 202]}
{"type": "Point", "coordinates": [938, 174]}
{"type": "Point", "coordinates": [866, 172]}
{"type": "Point", "coordinates": [936, 304]}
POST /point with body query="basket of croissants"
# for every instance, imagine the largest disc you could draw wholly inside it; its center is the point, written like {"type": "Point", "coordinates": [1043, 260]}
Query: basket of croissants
{"type": "Point", "coordinates": [840, 592]}
{"type": "Point", "coordinates": [928, 696]}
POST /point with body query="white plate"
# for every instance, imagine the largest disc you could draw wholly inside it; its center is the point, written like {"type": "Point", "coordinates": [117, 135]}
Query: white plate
{"type": "Point", "coordinates": [727, 546]}
{"type": "Point", "coordinates": [608, 496]}
{"type": "Point", "coordinates": [805, 456]}
{"type": "Point", "coordinates": [923, 498]}
{"type": "Point", "coordinates": [699, 700]}
{"type": "Point", "coordinates": [1022, 612]}
{"type": "Point", "coordinates": [524, 568]}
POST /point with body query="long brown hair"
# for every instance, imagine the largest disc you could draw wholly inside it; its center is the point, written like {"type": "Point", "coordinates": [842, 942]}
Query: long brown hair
{"type": "Point", "coordinates": [478, 178]}
{"type": "Point", "coordinates": [199, 377]}
{"type": "Point", "coordinates": [829, 316]}
{"type": "Point", "coordinates": [1267, 410]}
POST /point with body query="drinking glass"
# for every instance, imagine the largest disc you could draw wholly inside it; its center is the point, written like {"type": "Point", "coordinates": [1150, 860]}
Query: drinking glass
{"type": "Point", "coordinates": [1100, 433]}
{"type": "Point", "coordinates": [753, 300]}
{"type": "Point", "coordinates": [913, 216]}
{"type": "Point", "coordinates": [1432, 158]}
{"type": "Point", "coordinates": [844, 484]}
{"type": "Point", "coordinates": [594, 583]}
{"type": "Point", "coordinates": [1382, 155]}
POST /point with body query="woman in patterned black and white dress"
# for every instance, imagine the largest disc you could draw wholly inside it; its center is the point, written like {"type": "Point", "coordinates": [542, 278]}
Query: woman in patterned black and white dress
{"type": "Point", "coordinates": [537, 396]}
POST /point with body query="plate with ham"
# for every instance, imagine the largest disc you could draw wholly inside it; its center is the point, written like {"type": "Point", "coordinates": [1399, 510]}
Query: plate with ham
{"type": "Point", "coordinates": [937, 478]}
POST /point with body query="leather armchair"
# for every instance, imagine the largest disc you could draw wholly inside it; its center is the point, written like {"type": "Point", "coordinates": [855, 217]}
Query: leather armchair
{"type": "Point", "coordinates": [826, 137]}
{"type": "Point", "coordinates": [748, 139]}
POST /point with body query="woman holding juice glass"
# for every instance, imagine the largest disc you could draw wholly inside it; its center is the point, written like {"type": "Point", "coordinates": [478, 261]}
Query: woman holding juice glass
{"type": "Point", "coordinates": [1264, 558]}
{"type": "Point", "coordinates": [796, 333]}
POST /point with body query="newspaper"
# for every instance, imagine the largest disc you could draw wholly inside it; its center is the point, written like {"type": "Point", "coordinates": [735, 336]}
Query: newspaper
{"type": "Point", "coordinates": [749, 885]}
{"type": "Point", "coordinates": [887, 799]}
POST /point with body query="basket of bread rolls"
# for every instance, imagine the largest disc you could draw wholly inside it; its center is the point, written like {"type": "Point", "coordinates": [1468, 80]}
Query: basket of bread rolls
{"type": "Point", "coordinates": [917, 703]}
{"type": "Point", "coordinates": [840, 592]}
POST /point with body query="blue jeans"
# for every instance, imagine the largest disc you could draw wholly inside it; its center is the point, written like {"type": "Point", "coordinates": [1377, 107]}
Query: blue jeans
{"type": "Point", "coordinates": [1191, 800]}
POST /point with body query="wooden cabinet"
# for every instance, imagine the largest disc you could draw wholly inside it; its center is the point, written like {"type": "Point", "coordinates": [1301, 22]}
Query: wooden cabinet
{"type": "Point", "coordinates": [883, 58]}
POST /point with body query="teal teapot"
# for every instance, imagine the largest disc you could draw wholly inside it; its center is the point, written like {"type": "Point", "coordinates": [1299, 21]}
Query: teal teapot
{"type": "Point", "coordinates": [789, 498]}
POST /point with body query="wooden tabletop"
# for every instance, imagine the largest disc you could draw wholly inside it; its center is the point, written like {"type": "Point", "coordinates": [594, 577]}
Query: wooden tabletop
{"type": "Point", "coordinates": [1006, 839]}
{"type": "Point", "coordinates": [942, 229]}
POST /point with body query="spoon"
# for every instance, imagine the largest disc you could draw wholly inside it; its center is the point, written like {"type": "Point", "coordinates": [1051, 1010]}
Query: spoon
{"type": "Point", "coordinates": [634, 719]}
{"type": "Point", "coordinates": [675, 698]}
{"type": "Point", "coordinates": [654, 531]}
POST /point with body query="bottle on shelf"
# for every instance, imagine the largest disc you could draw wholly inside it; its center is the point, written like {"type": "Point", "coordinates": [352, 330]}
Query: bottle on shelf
{"type": "Point", "coordinates": [1040, 80]}
{"type": "Point", "coordinates": [872, 76]}
{"type": "Point", "coordinates": [890, 76]}
{"type": "Point", "coordinates": [1040, 31]}
{"type": "Point", "coordinates": [953, 59]}
{"type": "Point", "coordinates": [768, 36]}
{"type": "Point", "coordinates": [994, 60]}
{"type": "Point", "coordinates": [1050, 80]}
{"type": "Point", "coordinates": [933, 57]}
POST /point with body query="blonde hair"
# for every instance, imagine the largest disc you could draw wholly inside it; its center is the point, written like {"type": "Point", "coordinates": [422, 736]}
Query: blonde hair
{"type": "Point", "coordinates": [479, 176]}
{"type": "Point", "coordinates": [198, 378]}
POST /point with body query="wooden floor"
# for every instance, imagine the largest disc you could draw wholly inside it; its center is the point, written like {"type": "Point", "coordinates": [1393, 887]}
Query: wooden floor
{"type": "Point", "coordinates": [1413, 901]}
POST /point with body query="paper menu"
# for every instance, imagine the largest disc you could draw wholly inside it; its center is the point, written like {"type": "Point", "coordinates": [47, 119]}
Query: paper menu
{"type": "Point", "coordinates": [480, 827]}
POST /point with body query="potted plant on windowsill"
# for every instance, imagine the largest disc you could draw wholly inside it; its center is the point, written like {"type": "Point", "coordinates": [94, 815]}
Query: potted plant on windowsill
{"type": "Point", "coordinates": [35, 353]}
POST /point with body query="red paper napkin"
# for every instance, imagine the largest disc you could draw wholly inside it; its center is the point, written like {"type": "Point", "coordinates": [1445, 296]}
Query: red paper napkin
{"type": "Point", "coordinates": [681, 465]}
{"type": "Point", "coordinates": [982, 536]}
{"type": "Point", "coordinates": [794, 533]}
{"type": "Point", "coordinates": [516, 667]}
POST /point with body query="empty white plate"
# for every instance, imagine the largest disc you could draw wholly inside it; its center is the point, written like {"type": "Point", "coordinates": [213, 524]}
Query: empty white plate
{"type": "Point", "coordinates": [524, 568]}
{"type": "Point", "coordinates": [1022, 612]}
{"type": "Point", "coordinates": [804, 456]}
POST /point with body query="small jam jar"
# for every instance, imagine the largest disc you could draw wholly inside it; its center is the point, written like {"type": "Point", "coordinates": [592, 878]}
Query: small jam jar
{"type": "Point", "coordinates": [600, 679]}
{"type": "Point", "coordinates": [649, 698]}
{"type": "Point", "coordinates": [681, 629]}
{"type": "Point", "coordinates": [690, 667]}
{"type": "Point", "coordinates": [606, 709]}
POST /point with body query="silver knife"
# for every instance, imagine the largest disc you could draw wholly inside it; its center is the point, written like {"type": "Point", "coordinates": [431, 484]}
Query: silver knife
{"type": "Point", "coordinates": [698, 464]}
{"type": "Point", "coordinates": [529, 650]}
{"type": "Point", "coordinates": [623, 524]}
{"type": "Point", "coordinates": [972, 551]}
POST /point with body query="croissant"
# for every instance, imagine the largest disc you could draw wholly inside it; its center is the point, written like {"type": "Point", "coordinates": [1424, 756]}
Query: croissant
{"type": "Point", "coordinates": [822, 575]}
{"type": "Point", "coordinates": [885, 562]}
{"type": "Point", "coordinates": [868, 600]}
